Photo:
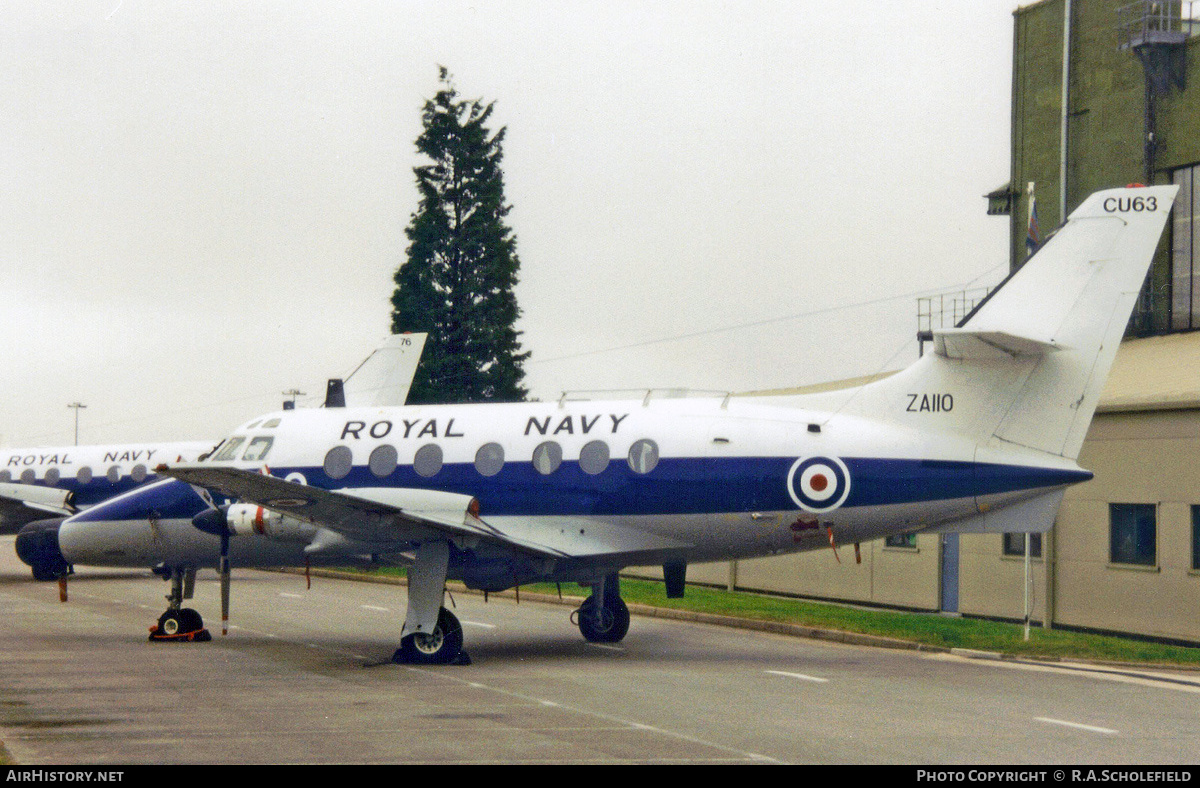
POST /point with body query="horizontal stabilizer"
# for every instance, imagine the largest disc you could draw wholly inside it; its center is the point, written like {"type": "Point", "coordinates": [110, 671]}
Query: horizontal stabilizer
{"type": "Point", "coordinates": [983, 345]}
{"type": "Point", "coordinates": [1032, 515]}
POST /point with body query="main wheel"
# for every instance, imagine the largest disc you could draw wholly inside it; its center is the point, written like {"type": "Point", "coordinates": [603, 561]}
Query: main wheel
{"type": "Point", "coordinates": [439, 647]}
{"type": "Point", "coordinates": [603, 622]}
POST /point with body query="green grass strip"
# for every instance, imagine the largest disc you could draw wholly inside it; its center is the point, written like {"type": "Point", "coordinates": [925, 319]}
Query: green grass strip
{"type": "Point", "coordinates": [931, 629]}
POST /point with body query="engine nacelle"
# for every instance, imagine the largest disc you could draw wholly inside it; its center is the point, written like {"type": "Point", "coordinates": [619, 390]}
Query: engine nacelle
{"type": "Point", "coordinates": [246, 518]}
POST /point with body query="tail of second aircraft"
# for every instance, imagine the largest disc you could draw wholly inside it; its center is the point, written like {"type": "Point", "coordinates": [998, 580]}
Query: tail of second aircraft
{"type": "Point", "coordinates": [1025, 370]}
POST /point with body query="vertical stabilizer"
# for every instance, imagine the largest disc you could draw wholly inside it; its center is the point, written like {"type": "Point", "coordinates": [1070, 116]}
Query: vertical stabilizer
{"type": "Point", "coordinates": [386, 376]}
{"type": "Point", "coordinates": [1026, 369]}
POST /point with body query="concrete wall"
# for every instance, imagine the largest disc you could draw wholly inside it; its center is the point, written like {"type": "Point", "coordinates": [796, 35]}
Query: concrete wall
{"type": "Point", "coordinates": [1137, 458]}
{"type": "Point", "coordinates": [892, 576]}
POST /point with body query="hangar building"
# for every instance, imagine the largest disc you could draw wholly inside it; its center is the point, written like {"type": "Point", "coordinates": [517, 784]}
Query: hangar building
{"type": "Point", "coordinates": [1104, 93]}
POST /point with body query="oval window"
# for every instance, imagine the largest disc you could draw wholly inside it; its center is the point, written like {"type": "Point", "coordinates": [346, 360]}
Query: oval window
{"type": "Point", "coordinates": [52, 476]}
{"type": "Point", "coordinates": [28, 476]}
{"type": "Point", "coordinates": [383, 460]}
{"type": "Point", "coordinates": [547, 457]}
{"type": "Point", "coordinates": [5, 476]}
{"type": "Point", "coordinates": [643, 456]}
{"type": "Point", "coordinates": [84, 475]}
{"type": "Point", "coordinates": [593, 458]}
{"type": "Point", "coordinates": [139, 473]}
{"type": "Point", "coordinates": [428, 460]}
{"type": "Point", "coordinates": [338, 462]}
{"type": "Point", "coordinates": [489, 459]}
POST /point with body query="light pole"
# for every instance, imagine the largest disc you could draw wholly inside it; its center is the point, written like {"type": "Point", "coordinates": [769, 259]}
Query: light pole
{"type": "Point", "coordinates": [77, 406]}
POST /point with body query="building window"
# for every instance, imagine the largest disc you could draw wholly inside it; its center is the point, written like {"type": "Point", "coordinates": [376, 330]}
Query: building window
{"type": "Point", "coordinates": [1196, 537]}
{"type": "Point", "coordinates": [1014, 544]}
{"type": "Point", "coordinates": [1185, 275]}
{"type": "Point", "coordinates": [1132, 533]}
{"type": "Point", "coordinates": [908, 541]}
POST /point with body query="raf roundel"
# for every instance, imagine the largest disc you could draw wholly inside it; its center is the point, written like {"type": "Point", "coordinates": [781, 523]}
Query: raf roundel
{"type": "Point", "coordinates": [819, 484]}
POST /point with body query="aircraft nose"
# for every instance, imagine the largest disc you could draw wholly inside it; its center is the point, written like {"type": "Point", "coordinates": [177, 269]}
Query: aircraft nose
{"type": "Point", "coordinates": [37, 545]}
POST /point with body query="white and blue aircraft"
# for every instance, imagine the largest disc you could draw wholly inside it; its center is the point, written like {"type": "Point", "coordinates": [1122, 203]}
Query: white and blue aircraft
{"type": "Point", "coordinates": [981, 435]}
{"type": "Point", "coordinates": [64, 480]}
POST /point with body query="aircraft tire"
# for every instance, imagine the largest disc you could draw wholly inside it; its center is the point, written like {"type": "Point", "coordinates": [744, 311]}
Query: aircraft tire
{"type": "Point", "coordinates": [440, 647]}
{"type": "Point", "coordinates": [178, 624]}
{"type": "Point", "coordinates": [607, 625]}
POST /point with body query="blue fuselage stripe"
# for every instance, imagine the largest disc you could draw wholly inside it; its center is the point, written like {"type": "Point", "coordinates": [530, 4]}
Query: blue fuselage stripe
{"type": "Point", "coordinates": [693, 486]}
{"type": "Point", "coordinates": [675, 486]}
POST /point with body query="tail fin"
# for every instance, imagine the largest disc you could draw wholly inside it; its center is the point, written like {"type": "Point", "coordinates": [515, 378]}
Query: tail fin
{"type": "Point", "coordinates": [387, 374]}
{"type": "Point", "coordinates": [1027, 367]}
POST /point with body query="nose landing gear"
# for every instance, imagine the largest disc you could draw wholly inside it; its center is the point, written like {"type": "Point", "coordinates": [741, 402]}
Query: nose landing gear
{"type": "Point", "coordinates": [178, 623]}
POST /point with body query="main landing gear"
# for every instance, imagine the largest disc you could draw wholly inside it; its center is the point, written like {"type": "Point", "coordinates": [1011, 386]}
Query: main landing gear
{"type": "Point", "coordinates": [432, 634]}
{"type": "Point", "coordinates": [603, 617]}
{"type": "Point", "coordinates": [178, 623]}
{"type": "Point", "coordinates": [442, 646]}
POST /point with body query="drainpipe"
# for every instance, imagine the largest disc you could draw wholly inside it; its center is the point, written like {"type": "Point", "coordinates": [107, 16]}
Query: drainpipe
{"type": "Point", "coordinates": [1065, 115]}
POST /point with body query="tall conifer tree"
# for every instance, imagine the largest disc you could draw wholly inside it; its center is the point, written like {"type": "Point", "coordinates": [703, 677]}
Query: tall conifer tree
{"type": "Point", "coordinates": [457, 283]}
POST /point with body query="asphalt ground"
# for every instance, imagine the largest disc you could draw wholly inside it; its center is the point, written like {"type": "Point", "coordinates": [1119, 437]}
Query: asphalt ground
{"type": "Point", "coordinates": [305, 677]}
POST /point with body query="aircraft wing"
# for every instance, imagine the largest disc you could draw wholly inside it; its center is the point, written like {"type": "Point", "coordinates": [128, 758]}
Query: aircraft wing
{"type": "Point", "coordinates": [24, 503]}
{"type": "Point", "coordinates": [390, 514]}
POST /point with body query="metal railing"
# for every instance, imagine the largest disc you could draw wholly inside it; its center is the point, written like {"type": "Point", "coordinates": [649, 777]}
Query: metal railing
{"type": "Point", "coordinates": [1155, 22]}
{"type": "Point", "coordinates": [946, 310]}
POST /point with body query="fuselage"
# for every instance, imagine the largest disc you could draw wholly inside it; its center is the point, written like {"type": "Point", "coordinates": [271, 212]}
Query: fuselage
{"type": "Point", "coordinates": [696, 479]}
{"type": "Point", "coordinates": [93, 473]}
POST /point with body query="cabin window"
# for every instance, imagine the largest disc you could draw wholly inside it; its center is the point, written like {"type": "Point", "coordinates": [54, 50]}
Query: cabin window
{"type": "Point", "coordinates": [229, 450]}
{"type": "Point", "coordinates": [28, 476]}
{"type": "Point", "coordinates": [489, 459]}
{"type": "Point", "coordinates": [114, 474]}
{"type": "Point", "coordinates": [52, 476]}
{"type": "Point", "coordinates": [383, 460]}
{"type": "Point", "coordinates": [5, 476]}
{"type": "Point", "coordinates": [139, 473]}
{"type": "Point", "coordinates": [338, 462]}
{"type": "Point", "coordinates": [1132, 532]}
{"type": "Point", "coordinates": [84, 474]}
{"type": "Point", "coordinates": [643, 456]}
{"type": "Point", "coordinates": [258, 448]}
{"type": "Point", "coordinates": [547, 457]}
{"type": "Point", "coordinates": [593, 458]}
{"type": "Point", "coordinates": [428, 460]}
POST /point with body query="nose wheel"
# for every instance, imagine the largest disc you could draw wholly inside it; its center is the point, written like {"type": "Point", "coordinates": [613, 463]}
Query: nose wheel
{"type": "Point", "coordinates": [180, 624]}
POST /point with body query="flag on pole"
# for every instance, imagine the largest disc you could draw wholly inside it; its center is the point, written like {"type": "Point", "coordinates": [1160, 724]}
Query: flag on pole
{"type": "Point", "coordinates": [1033, 237]}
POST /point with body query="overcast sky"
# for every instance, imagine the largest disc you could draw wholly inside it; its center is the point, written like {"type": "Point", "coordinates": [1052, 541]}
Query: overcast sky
{"type": "Point", "coordinates": [204, 203]}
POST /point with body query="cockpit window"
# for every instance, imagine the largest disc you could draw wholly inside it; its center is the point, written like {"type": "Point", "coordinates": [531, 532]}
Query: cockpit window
{"type": "Point", "coordinates": [270, 424]}
{"type": "Point", "coordinates": [258, 449]}
{"type": "Point", "coordinates": [229, 450]}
